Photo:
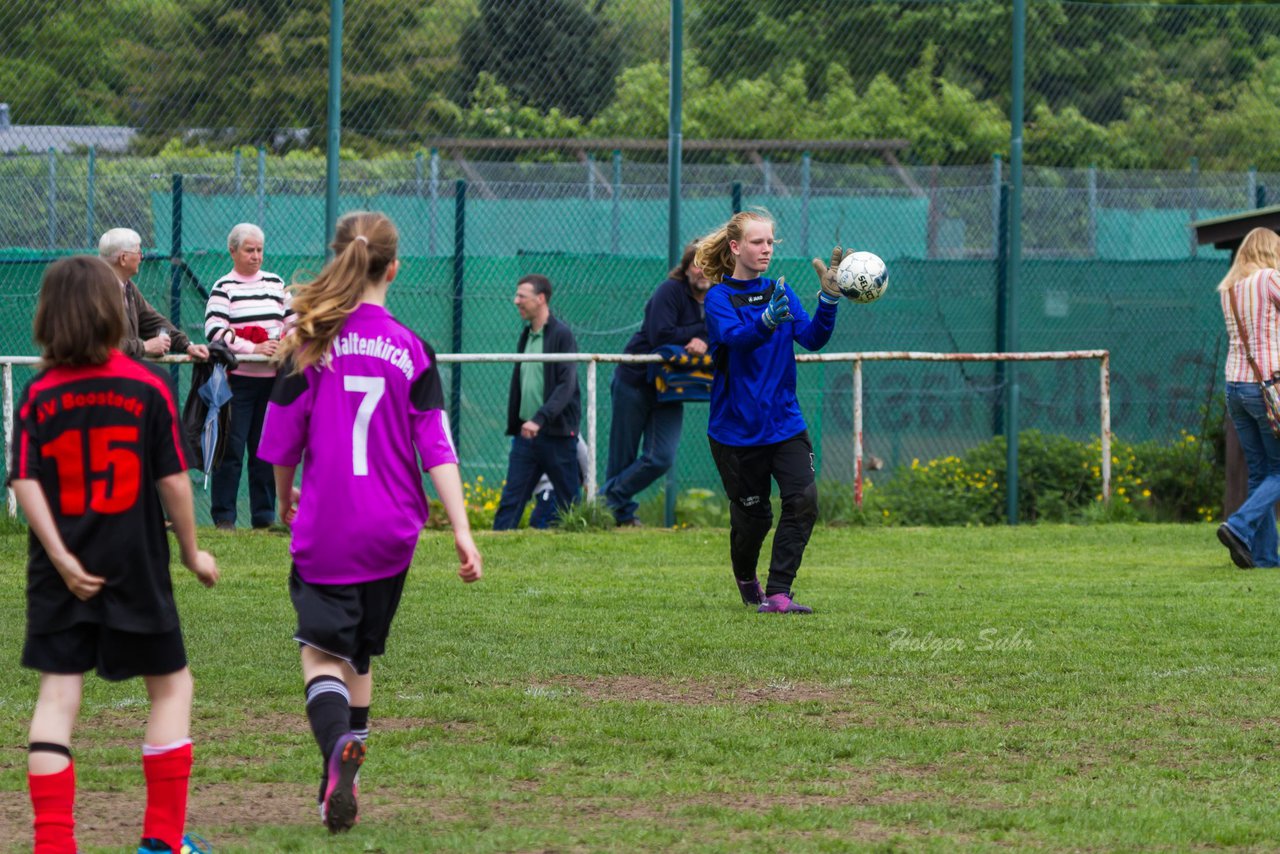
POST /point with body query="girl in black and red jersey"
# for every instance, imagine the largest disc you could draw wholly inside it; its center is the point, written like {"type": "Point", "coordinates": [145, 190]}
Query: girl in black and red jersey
{"type": "Point", "coordinates": [96, 465]}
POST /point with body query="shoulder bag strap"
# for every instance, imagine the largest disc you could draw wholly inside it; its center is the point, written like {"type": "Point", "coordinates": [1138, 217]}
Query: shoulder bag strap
{"type": "Point", "coordinates": [1244, 337]}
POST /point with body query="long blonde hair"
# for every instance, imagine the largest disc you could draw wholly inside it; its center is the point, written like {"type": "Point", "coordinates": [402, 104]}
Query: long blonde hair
{"type": "Point", "coordinates": [1260, 250]}
{"type": "Point", "coordinates": [364, 245]}
{"type": "Point", "coordinates": [714, 256]}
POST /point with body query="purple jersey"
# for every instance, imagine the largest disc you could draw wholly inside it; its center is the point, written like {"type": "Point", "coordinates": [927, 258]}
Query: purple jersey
{"type": "Point", "coordinates": [355, 424]}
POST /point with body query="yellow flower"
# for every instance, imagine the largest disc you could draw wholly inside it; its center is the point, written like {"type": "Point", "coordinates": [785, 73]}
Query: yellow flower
{"type": "Point", "coordinates": [489, 505]}
{"type": "Point", "coordinates": [479, 478]}
{"type": "Point", "coordinates": [1146, 493]}
{"type": "Point", "coordinates": [915, 462]}
{"type": "Point", "coordinates": [1120, 490]}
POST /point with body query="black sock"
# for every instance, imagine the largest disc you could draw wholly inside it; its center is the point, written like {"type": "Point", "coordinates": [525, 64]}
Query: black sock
{"type": "Point", "coordinates": [360, 722]}
{"type": "Point", "coordinates": [328, 711]}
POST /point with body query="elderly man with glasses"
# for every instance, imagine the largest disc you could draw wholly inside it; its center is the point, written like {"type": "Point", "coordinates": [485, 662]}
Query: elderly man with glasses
{"type": "Point", "coordinates": [147, 331]}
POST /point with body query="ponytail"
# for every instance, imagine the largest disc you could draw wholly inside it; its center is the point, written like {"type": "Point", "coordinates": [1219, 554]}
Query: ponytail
{"type": "Point", "coordinates": [714, 255]}
{"type": "Point", "coordinates": [364, 246]}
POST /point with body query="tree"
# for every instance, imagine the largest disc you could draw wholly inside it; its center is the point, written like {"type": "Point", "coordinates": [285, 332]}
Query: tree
{"type": "Point", "coordinates": [256, 71]}
{"type": "Point", "coordinates": [56, 70]}
{"type": "Point", "coordinates": [546, 53]}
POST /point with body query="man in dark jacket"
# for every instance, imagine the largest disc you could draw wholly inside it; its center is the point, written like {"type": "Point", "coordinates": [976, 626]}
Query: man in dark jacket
{"type": "Point", "coordinates": [543, 409]}
{"type": "Point", "coordinates": [147, 331]}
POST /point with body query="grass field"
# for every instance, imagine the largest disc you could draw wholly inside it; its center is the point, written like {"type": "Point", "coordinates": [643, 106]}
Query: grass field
{"type": "Point", "coordinates": [1107, 687]}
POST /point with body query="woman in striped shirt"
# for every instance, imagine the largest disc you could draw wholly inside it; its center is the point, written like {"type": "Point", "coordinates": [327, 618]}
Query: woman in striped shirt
{"type": "Point", "coordinates": [1251, 290]}
{"type": "Point", "coordinates": [249, 310]}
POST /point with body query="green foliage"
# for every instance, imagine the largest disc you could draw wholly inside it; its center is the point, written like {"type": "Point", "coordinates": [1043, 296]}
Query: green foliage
{"type": "Point", "coordinates": [1059, 480]}
{"type": "Point", "coordinates": [586, 516]}
{"type": "Point", "coordinates": [552, 54]}
{"type": "Point", "coordinates": [55, 68]}
{"type": "Point", "coordinates": [702, 508]}
{"type": "Point", "coordinates": [1112, 85]}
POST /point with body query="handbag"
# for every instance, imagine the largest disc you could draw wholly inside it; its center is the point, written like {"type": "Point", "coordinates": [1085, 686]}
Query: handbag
{"type": "Point", "coordinates": [1270, 391]}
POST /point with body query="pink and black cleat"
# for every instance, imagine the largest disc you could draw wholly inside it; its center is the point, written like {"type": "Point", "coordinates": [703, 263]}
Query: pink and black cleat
{"type": "Point", "coordinates": [780, 603]}
{"type": "Point", "coordinates": [339, 805]}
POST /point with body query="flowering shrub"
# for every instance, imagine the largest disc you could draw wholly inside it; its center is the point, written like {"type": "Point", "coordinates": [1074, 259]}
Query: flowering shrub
{"type": "Point", "coordinates": [1060, 479]}
{"type": "Point", "coordinates": [481, 501]}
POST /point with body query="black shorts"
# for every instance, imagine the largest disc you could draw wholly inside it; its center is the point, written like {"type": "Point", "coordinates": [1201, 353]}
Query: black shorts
{"type": "Point", "coordinates": [117, 655]}
{"type": "Point", "coordinates": [347, 621]}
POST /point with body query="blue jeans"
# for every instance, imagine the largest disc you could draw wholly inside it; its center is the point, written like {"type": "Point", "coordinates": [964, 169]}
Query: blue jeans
{"type": "Point", "coordinates": [637, 415]}
{"type": "Point", "coordinates": [555, 456]}
{"type": "Point", "coordinates": [1255, 521]}
{"type": "Point", "coordinates": [544, 510]}
{"type": "Point", "coordinates": [249, 396]}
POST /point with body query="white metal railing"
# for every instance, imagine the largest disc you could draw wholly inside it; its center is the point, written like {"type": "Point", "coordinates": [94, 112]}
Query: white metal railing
{"type": "Point", "coordinates": [593, 359]}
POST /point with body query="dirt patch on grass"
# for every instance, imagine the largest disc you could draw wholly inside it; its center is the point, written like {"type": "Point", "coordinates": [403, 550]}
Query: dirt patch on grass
{"type": "Point", "coordinates": [227, 812]}
{"type": "Point", "coordinates": [697, 693]}
{"type": "Point", "coordinates": [114, 818]}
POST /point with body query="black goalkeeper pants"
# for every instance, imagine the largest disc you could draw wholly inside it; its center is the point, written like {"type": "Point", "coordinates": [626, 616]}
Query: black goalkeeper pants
{"type": "Point", "coordinates": [746, 474]}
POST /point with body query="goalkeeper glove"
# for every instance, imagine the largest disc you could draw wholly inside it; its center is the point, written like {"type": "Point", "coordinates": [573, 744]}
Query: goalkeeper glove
{"type": "Point", "coordinates": [779, 308]}
{"type": "Point", "coordinates": [830, 292]}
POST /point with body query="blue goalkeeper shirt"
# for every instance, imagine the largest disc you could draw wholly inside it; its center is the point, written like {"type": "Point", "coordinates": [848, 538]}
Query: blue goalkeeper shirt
{"type": "Point", "coordinates": [753, 396]}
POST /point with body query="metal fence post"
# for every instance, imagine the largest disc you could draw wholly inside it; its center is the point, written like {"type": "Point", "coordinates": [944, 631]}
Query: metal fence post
{"type": "Point", "coordinates": [52, 197]}
{"type": "Point", "coordinates": [175, 265]}
{"type": "Point", "coordinates": [615, 220]}
{"type": "Point", "coordinates": [1002, 308]}
{"type": "Point", "coordinates": [1195, 204]}
{"type": "Point", "coordinates": [1093, 210]}
{"type": "Point", "coordinates": [90, 193]}
{"type": "Point", "coordinates": [459, 269]}
{"type": "Point", "coordinates": [592, 439]}
{"type": "Point", "coordinates": [735, 196]}
{"type": "Point", "coordinates": [675, 146]}
{"type": "Point", "coordinates": [262, 189]}
{"type": "Point", "coordinates": [806, 181]}
{"type": "Point", "coordinates": [434, 184]}
{"type": "Point", "coordinates": [857, 433]}
{"type": "Point", "coordinates": [333, 131]}
{"type": "Point", "coordinates": [1015, 252]}
{"type": "Point", "coordinates": [997, 181]}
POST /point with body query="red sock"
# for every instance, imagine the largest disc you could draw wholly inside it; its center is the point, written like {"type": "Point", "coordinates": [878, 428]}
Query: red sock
{"type": "Point", "coordinates": [167, 774]}
{"type": "Point", "coordinates": [52, 798]}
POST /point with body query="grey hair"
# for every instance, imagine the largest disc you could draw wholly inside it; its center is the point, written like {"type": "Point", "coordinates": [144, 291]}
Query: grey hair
{"type": "Point", "coordinates": [240, 232]}
{"type": "Point", "coordinates": [118, 240]}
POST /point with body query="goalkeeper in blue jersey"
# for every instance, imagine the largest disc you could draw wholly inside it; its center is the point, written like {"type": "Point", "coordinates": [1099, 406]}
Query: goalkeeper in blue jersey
{"type": "Point", "coordinates": [756, 429]}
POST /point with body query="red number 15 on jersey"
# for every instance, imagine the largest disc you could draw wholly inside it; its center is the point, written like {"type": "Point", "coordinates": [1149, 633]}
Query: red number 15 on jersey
{"type": "Point", "coordinates": [114, 469]}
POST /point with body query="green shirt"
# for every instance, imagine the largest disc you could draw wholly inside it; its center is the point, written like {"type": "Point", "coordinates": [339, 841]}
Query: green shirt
{"type": "Point", "coordinates": [531, 377]}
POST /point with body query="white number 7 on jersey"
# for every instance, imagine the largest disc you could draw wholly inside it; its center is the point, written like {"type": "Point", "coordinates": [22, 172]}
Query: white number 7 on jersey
{"type": "Point", "coordinates": [372, 389]}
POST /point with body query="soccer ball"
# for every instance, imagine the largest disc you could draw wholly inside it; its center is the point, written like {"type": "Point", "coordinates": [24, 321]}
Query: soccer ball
{"type": "Point", "coordinates": [862, 277]}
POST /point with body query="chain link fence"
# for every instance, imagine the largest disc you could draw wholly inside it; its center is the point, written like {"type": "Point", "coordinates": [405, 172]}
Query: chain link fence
{"type": "Point", "coordinates": [509, 136]}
